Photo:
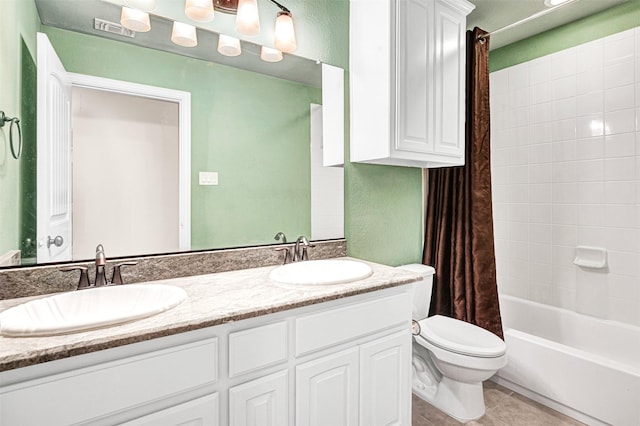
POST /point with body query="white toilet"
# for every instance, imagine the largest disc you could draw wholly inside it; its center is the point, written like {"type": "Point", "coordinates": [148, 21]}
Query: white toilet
{"type": "Point", "coordinates": [451, 358]}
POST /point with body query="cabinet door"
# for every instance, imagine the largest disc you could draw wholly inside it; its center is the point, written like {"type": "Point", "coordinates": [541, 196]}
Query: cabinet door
{"type": "Point", "coordinates": [414, 71]}
{"type": "Point", "coordinates": [201, 411]}
{"type": "Point", "coordinates": [263, 402]}
{"type": "Point", "coordinates": [327, 390]}
{"type": "Point", "coordinates": [449, 73]}
{"type": "Point", "coordinates": [385, 387]}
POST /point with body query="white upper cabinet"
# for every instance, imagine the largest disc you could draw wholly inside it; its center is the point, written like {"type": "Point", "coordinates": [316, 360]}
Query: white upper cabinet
{"type": "Point", "coordinates": [407, 81]}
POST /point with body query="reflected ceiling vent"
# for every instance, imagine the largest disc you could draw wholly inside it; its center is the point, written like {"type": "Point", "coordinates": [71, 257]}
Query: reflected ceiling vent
{"type": "Point", "coordinates": [113, 28]}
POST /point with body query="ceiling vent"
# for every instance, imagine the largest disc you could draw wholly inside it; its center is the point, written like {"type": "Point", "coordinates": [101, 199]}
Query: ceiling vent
{"type": "Point", "coordinates": [113, 28]}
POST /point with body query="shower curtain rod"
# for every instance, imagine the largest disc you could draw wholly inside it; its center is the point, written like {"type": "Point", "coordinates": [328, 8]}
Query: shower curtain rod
{"type": "Point", "coordinates": [528, 18]}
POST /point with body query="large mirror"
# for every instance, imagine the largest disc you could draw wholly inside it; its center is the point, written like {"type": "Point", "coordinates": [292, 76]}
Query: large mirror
{"type": "Point", "coordinates": [254, 137]}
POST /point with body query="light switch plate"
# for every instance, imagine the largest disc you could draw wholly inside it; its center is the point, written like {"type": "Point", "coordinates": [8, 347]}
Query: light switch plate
{"type": "Point", "coordinates": [208, 178]}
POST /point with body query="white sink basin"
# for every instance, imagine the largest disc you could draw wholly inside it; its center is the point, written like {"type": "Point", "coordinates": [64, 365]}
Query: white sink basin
{"type": "Point", "coordinates": [89, 309]}
{"type": "Point", "coordinates": [321, 272]}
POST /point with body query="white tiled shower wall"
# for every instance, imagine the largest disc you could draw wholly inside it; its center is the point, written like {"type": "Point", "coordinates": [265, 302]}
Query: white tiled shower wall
{"type": "Point", "coordinates": [565, 140]}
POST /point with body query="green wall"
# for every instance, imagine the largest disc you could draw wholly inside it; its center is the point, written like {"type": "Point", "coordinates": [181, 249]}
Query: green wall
{"type": "Point", "coordinates": [610, 21]}
{"type": "Point", "coordinates": [28, 161]}
{"type": "Point", "coordinates": [18, 25]}
{"type": "Point", "coordinates": [382, 203]}
{"type": "Point", "coordinates": [246, 126]}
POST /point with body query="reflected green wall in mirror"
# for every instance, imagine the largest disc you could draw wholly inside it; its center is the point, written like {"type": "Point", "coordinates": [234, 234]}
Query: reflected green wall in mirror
{"type": "Point", "coordinates": [382, 204]}
{"type": "Point", "coordinates": [28, 160]}
{"type": "Point", "coordinates": [18, 26]}
{"type": "Point", "coordinates": [251, 129]}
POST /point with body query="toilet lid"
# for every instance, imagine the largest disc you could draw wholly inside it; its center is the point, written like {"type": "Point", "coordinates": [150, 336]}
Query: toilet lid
{"type": "Point", "coordinates": [461, 337]}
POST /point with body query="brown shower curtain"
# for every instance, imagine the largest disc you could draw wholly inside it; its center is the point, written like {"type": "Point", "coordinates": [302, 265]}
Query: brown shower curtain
{"type": "Point", "coordinates": [459, 226]}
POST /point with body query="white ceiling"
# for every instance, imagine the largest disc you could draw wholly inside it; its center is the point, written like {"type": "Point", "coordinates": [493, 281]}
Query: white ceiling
{"type": "Point", "coordinates": [491, 15]}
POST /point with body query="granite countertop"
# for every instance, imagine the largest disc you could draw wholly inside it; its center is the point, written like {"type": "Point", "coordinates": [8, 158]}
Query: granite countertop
{"type": "Point", "coordinates": [213, 299]}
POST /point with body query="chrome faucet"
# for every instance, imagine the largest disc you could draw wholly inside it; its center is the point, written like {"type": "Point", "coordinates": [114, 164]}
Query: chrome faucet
{"type": "Point", "coordinates": [281, 237]}
{"type": "Point", "coordinates": [298, 252]}
{"type": "Point", "coordinates": [300, 249]}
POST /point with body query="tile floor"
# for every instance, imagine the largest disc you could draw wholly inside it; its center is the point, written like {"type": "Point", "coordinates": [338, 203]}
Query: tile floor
{"type": "Point", "coordinates": [504, 408]}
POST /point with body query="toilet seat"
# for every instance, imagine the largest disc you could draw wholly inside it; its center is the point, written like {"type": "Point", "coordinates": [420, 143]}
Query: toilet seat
{"type": "Point", "coordinates": [461, 337]}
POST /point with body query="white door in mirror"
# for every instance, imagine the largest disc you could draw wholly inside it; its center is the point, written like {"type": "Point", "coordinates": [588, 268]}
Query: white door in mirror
{"type": "Point", "coordinates": [89, 309]}
{"type": "Point", "coordinates": [321, 272]}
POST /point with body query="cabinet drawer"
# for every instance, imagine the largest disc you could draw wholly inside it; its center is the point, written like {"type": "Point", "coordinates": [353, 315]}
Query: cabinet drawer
{"type": "Point", "coordinates": [201, 411]}
{"type": "Point", "coordinates": [324, 329]}
{"type": "Point", "coordinates": [257, 348]}
{"type": "Point", "coordinates": [87, 393]}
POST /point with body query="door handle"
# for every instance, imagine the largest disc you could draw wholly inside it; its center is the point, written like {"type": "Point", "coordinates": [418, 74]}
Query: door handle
{"type": "Point", "coordinates": [57, 241]}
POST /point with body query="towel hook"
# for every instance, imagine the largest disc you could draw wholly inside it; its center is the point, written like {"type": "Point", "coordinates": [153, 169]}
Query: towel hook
{"type": "Point", "coordinates": [15, 121]}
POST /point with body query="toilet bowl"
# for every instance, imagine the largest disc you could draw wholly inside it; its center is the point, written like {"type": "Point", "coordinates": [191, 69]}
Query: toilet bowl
{"type": "Point", "coordinates": [451, 358]}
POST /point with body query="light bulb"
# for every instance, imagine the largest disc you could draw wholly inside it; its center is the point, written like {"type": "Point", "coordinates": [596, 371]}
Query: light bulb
{"type": "Point", "coordinates": [199, 10]}
{"type": "Point", "coordinates": [184, 34]}
{"type": "Point", "coordinates": [247, 18]}
{"type": "Point", "coordinates": [228, 46]}
{"type": "Point", "coordinates": [135, 20]}
{"type": "Point", "coordinates": [285, 35]}
{"type": "Point", "coordinates": [269, 54]}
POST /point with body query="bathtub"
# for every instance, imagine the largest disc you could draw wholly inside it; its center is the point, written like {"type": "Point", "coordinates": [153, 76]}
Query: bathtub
{"type": "Point", "coordinates": [582, 366]}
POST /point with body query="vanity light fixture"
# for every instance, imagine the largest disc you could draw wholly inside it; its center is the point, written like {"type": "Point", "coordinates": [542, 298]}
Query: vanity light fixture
{"type": "Point", "coordinates": [247, 18]}
{"type": "Point", "coordinates": [269, 54]}
{"type": "Point", "coordinates": [184, 34]}
{"type": "Point", "coordinates": [135, 20]}
{"type": "Point", "coordinates": [199, 10]}
{"type": "Point", "coordinates": [228, 46]}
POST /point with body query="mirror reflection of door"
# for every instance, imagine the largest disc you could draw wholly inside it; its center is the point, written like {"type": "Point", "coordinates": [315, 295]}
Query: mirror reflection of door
{"type": "Point", "coordinates": [125, 173]}
{"type": "Point", "coordinates": [53, 156]}
{"type": "Point", "coordinates": [113, 165]}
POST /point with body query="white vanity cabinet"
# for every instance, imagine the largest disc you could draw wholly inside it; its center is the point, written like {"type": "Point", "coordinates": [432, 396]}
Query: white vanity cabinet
{"type": "Point", "coordinates": [343, 362]}
{"type": "Point", "coordinates": [407, 81]}
{"type": "Point", "coordinates": [366, 382]}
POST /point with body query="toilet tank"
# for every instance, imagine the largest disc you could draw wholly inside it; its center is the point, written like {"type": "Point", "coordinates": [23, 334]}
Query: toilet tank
{"type": "Point", "coordinates": [421, 290]}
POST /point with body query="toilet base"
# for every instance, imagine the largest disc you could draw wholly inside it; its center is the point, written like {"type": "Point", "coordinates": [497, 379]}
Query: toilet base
{"type": "Point", "coordinates": [462, 401]}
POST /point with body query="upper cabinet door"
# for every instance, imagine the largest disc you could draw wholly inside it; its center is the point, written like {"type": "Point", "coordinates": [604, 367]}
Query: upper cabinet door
{"type": "Point", "coordinates": [449, 73]}
{"type": "Point", "coordinates": [415, 82]}
{"type": "Point", "coordinates": [407, 81]}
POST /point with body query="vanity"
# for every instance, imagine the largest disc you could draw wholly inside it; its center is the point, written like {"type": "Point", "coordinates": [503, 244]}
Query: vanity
{"type": "Point", "coordinates": [242, 349]}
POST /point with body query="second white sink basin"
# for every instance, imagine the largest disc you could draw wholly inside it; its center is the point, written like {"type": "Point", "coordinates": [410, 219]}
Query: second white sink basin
{"type": "Point", "coordinates": [321, 272]}
{"type": "Point", "coordinates": [89, 309]}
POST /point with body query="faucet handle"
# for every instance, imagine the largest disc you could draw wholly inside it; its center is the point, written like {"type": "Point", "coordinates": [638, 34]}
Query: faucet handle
{"type": "Point", "coordinates": [287, 254]}
{"type": "Point", "coordinates": [84, 275]}
{"type": "Point", "coordinates": [116, 278]}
